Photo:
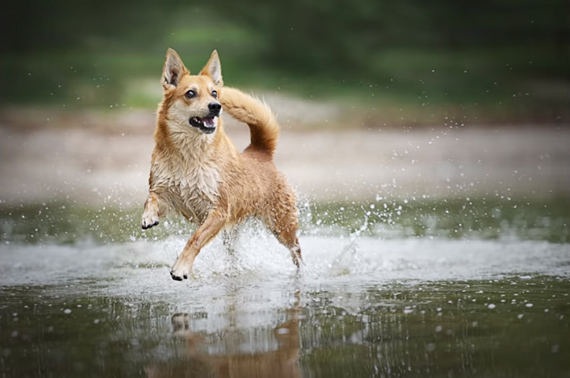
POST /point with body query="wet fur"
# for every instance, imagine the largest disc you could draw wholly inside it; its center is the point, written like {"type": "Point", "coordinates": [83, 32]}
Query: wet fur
{"type": "Point", "coordinates": [203, 176]}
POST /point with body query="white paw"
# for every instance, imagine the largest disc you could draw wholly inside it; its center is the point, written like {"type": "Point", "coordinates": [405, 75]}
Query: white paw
{"type": "Point", "coordinates": [149, 219]}
{"type": "Point", "coordinates": [180, 271]}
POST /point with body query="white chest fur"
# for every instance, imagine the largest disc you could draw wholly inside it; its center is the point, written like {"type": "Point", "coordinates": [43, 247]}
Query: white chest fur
{"type": "Point", "coordinates": [189, 178]}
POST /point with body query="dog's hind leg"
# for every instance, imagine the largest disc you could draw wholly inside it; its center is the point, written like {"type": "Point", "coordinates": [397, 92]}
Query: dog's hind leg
{"type": "Point", "coordinates": [229, 239]}
{"type": "Point", "coordinates": [284, 227]}
{"type": "Point", "coordinates": [290, 240]}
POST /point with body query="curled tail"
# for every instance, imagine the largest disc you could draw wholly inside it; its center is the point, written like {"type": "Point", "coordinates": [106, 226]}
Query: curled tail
{"type": "Point", "coordinates": [262, 124]}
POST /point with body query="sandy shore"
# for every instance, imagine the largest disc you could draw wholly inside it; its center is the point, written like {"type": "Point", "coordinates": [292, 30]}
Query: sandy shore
{"type": "Point", "coordinates": [104, 158]}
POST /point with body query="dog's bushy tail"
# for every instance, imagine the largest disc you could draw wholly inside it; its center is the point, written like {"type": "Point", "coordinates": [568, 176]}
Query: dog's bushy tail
{"type": "Point", "coordinates": [262, 124]}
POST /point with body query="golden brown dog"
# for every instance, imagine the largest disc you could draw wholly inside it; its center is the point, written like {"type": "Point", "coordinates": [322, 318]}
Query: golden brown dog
{"type": "Point", "coordinates": [197, 171]}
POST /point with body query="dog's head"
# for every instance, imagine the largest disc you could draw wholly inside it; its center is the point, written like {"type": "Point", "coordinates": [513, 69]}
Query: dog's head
{"type": "Point", "coordinates": [192, 100]}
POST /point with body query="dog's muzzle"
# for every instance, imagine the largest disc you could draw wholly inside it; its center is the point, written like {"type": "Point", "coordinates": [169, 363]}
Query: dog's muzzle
{"type": "Point", "coordinates": [207, 124]}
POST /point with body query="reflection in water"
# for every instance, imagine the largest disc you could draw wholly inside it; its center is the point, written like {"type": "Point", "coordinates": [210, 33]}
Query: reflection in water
{"type": "Point", "coordinates": [517, 326]}
{"type": "Point", "coordinates": [228, 358]}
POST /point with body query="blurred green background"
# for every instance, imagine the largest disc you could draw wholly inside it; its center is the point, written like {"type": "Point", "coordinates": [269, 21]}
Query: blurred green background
{"type": "Point", "coordinates": [491, 60]}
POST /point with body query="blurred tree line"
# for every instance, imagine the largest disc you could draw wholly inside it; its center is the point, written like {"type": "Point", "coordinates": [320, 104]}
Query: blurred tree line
{"type": "Point", "coordinates": [343, 34]}
{"type": "Point", "coordinates": [411, 47]}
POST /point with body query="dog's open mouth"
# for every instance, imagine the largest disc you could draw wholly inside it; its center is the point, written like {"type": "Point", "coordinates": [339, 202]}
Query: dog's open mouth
{"type": "Point", "coordinates": [207, 125]}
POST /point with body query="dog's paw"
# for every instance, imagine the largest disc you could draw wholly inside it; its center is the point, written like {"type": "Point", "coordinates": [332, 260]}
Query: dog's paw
{"type": "Point", "coordinates": [180, 271]}
{"type": "Point", "coordinates": [149, 220]}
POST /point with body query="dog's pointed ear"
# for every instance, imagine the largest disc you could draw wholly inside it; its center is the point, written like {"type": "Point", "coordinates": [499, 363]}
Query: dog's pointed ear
{"type": "Point", "coordinates": [173, 70]}
{"type": "Point", "coordinates": [213, 69]}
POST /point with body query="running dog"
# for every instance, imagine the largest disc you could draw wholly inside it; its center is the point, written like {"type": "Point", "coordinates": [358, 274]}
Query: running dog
{"type": "Point", "coordinates": [197, 171]}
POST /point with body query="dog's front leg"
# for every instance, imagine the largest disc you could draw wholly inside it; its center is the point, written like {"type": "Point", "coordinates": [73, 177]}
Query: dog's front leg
{"type": "Point", "coordinates": [153, 209]}
{"type": "Point", "coordinates": [205, 233]}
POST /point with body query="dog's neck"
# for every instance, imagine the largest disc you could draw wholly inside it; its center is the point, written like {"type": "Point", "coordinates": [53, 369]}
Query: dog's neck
{"type": "Point", "coordinates": [188, 139]}
{"type": "Point", "coordinates": [191, 163]}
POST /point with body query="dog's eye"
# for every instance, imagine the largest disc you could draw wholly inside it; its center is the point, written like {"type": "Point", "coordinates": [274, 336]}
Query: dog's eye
{"type": "Point", "coordinates": [190, 93]}
{"type": "Point", "coordinates": [215, 94]}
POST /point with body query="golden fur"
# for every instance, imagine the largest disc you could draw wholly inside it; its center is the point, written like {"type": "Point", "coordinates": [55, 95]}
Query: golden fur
{"type": "Point", "coordinates": [200, 174]}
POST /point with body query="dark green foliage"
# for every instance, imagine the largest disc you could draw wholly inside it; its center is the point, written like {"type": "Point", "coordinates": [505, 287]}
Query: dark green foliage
{"type": "Point", "coordinates": [420, 52]}
{"type": "Point", "coordinates": [343, 36]}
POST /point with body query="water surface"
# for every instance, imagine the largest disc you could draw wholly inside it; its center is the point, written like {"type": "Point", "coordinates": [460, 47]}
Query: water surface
{"type": "Point", "coordinates": [440, 292]}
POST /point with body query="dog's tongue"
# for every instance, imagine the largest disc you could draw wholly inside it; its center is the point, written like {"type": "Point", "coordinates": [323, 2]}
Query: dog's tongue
{"type": "Point", "coordinates": [208, 121]}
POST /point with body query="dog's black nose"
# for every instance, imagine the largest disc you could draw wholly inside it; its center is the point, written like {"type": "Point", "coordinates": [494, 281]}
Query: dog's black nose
{"type": "Point", "coordinates": [215, 107]}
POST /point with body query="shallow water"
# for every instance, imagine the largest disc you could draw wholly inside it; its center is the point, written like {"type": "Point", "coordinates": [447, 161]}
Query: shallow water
{"type": "Point", "coordinates": [374, 297]}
